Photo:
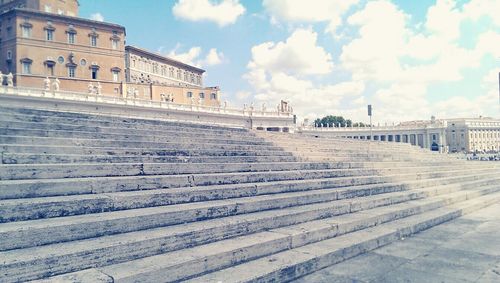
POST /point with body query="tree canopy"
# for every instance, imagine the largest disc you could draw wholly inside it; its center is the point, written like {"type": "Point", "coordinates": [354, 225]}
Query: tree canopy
{"type": "Point", "coordinates": [331, 121]}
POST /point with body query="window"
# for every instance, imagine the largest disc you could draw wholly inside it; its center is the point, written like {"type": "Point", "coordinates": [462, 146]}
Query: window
{"type": "Point", "coordinates": [179, 74]}
{"type": "Point", "coordinates": [9, 32]}
{"type": "Point", "coordinates": [71, 71]}
{"type": "Point", "coordinates": [185, 76]}
{"type": "Point", "coordinates": [71, 38]}
{"type": "Point", "coordinates": [49, 35]}
{"type": "Point", "coordinates": [213, 96]}
{"type": "Point", "coordinates": [9, 55]}
{"type": "Point", "coordinates": [116, 75]}
{"type": "Point", "coordinates": [50, 68]}
{"type": "Point", "coordinates": [189, 94]}
{"type": "Point", "coordinates": [26, 31]}
{"type": "Point", "coordinates": [114, 44]}
{"type": "Point", "coordinates": [26, 67]}
{"type": "Point", "coordinates": [94, 72]}
{"type": "Point", "coordinates": [93, 40]}
{"type": "Point", "coordinates": [202, 95]}
{"type": "Point", "coordinates": [171, 72]}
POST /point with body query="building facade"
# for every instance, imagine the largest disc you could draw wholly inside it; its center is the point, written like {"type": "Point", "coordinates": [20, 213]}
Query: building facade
{"type": "Point", "coordinates": [170, 80]}
{"type": "Point", "coordinates": [45, 40]}
{"type": "Point", "coordinates": [474, 135]}
{"type": "Point", "coordinates": [38, 44]}
{"type": "Point", "coordinates": [448, 135]}
{"type": "Point", "coordinates": [60, 7]}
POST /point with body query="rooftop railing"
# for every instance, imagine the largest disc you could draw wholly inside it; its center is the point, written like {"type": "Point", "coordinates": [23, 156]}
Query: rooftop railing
{"type": "Point", "coordinates": [139, 102]}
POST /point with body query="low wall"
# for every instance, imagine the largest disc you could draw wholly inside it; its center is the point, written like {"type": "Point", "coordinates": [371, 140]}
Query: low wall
{"type": "Point", "coordinates": [131, 108]}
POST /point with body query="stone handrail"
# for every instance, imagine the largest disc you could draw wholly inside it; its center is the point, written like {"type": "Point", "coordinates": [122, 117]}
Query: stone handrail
{"type": "Point", "coordinates": [93, 97]}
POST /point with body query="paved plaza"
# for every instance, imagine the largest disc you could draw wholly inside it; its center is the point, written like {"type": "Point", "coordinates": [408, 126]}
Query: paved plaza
{"type": "Point", "coordinates": [466, 249]}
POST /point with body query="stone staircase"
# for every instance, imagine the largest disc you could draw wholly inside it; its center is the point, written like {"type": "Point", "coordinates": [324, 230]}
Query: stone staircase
{"type": "Point", "coordinates": [86, 198]}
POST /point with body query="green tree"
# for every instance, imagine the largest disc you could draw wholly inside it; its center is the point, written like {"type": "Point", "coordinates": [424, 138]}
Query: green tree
{"type": "Point", "coordinates": [331, 121]}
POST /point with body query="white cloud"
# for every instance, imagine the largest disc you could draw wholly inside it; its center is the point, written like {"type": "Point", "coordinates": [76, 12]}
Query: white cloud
{"type": "Point", "coordinates": [222, 13]}
{"type": "Point", "coordinates": [476, 9]}
{"type": "Point", "coordinates": [97, 17]}
{"type": "Point", "coordinates": [330, 11]}
{"type": "Point", "coordinates": [213, 58]}
{"type": "Point", "coordinates": [299, 54]}
{"type": "Point", "coordinates": [403, 61]}
{"type": "Point", "coordinates": [399, 61]}
{"type": "Point", "coordinates": [188, 57]}
{"type": "Point", "coordinates": [194, 56]}
{"type": "Point", "coordinates": [283, 70]}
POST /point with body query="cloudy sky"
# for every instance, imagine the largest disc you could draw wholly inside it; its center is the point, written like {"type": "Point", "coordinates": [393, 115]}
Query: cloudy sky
{"type": "Point", "coordinates": [409, 59]}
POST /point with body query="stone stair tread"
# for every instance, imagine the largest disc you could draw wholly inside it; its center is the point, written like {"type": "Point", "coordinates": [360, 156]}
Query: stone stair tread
{"type": "Point", "coordinates": [229, 174]}
{"type": "Point", "coordinates": [44, 171]}
{"type": "Point", "coordinates": [343, 204]}
{"type": "Point", "coordinates": [14, 189]}
{"type": "Point", "coordinates": [336, 249]}
{"type": "Point", "coordinates": [172, 259]}
{"type": "Point", "coordinates": [293, 231]}
{"type": "Point", "coordinates": [183, 190]}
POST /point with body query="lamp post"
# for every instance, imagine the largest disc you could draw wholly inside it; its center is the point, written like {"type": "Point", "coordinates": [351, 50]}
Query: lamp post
{"type": "Point", "coordinates": [370, 115]}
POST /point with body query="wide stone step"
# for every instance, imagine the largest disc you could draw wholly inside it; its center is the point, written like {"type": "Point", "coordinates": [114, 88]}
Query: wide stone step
{"type": "Point", "coordinates": [48, 207]}
{"type": "Point", "coordinates": [59, 117]}
{"type": "Point", "coordinates": [58, 171]}
{"type": "Point", "coordinates": [134, 140]}
{"type": "Point", "coordinates": [295, 205]}
{"type": "Point", "coordinates": [330, 177]}
{"type": "Point", "coordinates": [40, 158]}
{"type": "Point", "coordinates": [133, 135]}
{"type": "Point", "coordinates": [119, 151]}
{"type": "Point", "coordinates": [298, 138]}
{"type": "Point", "coordinates": [34, 123]}
{"type": "Point", "coordinates": [186, 263]}
{"type": "Point", "coordinates": [296, 262]}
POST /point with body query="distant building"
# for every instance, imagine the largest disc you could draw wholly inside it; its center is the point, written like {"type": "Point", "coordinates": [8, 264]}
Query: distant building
{"type": "Point", "coordinates": [169, 79]}
{"type": "Point", "coordinates": [473, 134]}
{"type": "Point", "coordinates": [450, 135]}
{"type": "Point", "coordinates": [46, 38]}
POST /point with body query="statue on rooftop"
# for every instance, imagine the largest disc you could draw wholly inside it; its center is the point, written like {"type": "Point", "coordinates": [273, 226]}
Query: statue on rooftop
{"type": "Point", "coordinates": [91, 88]}
{"type": "Point", "coordinates": [46, 84]}
{"type": "Point", "coordinates": [10, 79]}
{"type": "Point", "coordinates": [98, 88]}
{"type": "Point", "coordinates": [1, 78]}
{"type": "Point", "coordinates": [56, 84]}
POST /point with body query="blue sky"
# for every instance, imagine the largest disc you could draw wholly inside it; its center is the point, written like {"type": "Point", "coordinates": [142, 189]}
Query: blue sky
{"type": "Point", "coordinates": [410, 59]}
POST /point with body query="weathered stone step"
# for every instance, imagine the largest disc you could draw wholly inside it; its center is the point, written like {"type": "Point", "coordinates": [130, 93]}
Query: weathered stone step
{"type": "Point", "coordinates": [59, 117]}
{"type": "Point", "coordinates": [296, 262]}
{"type": "Point", "coordinates": [82, 170]}
{"type": "Point", "coordinates": [99, 123]}
{"type": "Point", "coordinates": [120, 151]}
{"type": "Point", "coordinates": [182, 264]}
{"type": "Point", "coordinates": [12, 189]}
{"type": "Point", "coordinates": [292, 207]}
{"type": "Point", "coordinates": [131, 139]}
{"type": "Point", "coordinates": [49, 207]}
{"type": "Point", "coordinates": [37, 158]}
{"type": "Point", "coordinates": [134, 135]}
{"type": "Point", "coordinates": [298, 138]}
{"type": "Point", "coordinates": [69, 128]}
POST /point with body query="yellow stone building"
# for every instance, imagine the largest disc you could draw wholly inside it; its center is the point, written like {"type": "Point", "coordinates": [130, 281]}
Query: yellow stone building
{"type": "Point", "coordinates": [42, 39]}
